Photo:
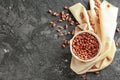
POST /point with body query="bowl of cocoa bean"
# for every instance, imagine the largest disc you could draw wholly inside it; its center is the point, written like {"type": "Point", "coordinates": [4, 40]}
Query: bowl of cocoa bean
{"type": "Point", "coordinates": [85, 46]}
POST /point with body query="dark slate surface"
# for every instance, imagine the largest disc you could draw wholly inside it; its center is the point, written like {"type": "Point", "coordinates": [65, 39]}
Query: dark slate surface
{"type": "Point", "coordinates": [30, 48]}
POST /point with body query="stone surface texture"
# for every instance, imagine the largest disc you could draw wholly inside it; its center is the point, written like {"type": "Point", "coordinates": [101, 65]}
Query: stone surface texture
{"type": "Point", "coordinates": [30, 48]}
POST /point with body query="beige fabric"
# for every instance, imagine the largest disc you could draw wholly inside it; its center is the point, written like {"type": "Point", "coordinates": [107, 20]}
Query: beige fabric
{"type": "Point", "coordinates": [76, 10]}
{"type": "Point", "coordinates": [105, 30]}
{"type": "Point", "coordinates": [94, 17]}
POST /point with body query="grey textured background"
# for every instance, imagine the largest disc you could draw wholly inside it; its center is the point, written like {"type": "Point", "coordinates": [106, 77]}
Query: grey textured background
{"type": "Point", "coordinates": [30, 48]}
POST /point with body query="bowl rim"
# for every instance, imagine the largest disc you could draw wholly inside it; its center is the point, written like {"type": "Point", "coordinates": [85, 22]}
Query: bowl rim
{"type": "Point", "coordinates": [99, 51]}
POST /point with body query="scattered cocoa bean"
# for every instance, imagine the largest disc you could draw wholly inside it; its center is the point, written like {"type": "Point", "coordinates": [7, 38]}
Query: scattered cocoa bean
{"type": "Point", "coordinates": [68, 33]}
{"type": "Point", "coordinates": [60, 20]}
{"type": "Point", "coordinates": [49, 11]}
{"type": "Point", "coordinates": [117, 30]}
{"type": "Point", "coordinates": [58, 30]}
{"type": "Point", "coordinates": [83, 76]}
{"type": "Point", "coordinates": [61, 35]}
{"type": "Point", "coordinates": [97, 73]}
{"type": "Point", "coordinates": [66, 26]}
{"type": "Point", "coordinates": [117, 44]}
{"type": "Point", "coordinates": [63, 46]}
{"type": "Point", "coordinates": [73, 32]}
{"type": "Point", "coordinates": [66, 7]}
